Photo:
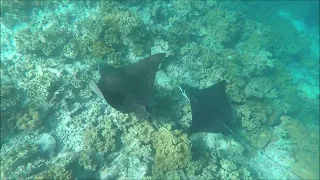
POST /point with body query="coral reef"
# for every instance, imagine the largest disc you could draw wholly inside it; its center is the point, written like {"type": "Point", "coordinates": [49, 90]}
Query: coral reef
{"type": "Point", "coordinates": [141, 131]}
{"type": "Point", "coordinates": [47, 144]}
{"type": "Point", "coordinates": [280, 151]}
{"type": "Point", "coordinates": [7, 100]}
{"type": "Point", "coordinates": [251, 119]}
{"type": "Point", "coordinates": [257, 63]}
{"type": "Point", "coordinates": [103, 141]}
{"type": "Point", "coordinates": [54, 127]}
{"type": "Point", "coordinates": [133, 161]}
{"type": "Point", "coordinates": [70, 51]}
{"type": "Point", "coordinates": [30, 120]}
{"type": "Point", "coordinates": [17, 159]}
{"type": "Point", "coordinates": [99, 49]}
{"type": "Point", "coordinates": [55, 172]}
{"type": "Point", "coordinates": [172, 150]}
{"type": "Point", "coordinates": [224, 159]}
{"type": "Point", "coordinates": [304, 144]}
{"type": "Point", "coordinates": [228, 23]}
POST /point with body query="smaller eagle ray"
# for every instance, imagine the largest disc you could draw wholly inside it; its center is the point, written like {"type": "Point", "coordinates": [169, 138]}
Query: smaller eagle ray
{"type": "Point", "coordinates": [210, 107]}
{"type": "Point", "coordinates": [211, 112]}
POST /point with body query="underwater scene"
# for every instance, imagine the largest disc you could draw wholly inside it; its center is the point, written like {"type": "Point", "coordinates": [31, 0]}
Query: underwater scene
{"type": "Point", "coordinates": [159, 89]}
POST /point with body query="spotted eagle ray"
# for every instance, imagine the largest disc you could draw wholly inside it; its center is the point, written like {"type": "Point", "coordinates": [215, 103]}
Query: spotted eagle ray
{"type": "Point", "coordinates": [128, 89]}
{"type": "Point", "coordinates": [211, 111]}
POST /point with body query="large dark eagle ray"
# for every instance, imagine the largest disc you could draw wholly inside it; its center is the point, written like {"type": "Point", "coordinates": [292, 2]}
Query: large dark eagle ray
{"type": "Point", "coordinates": [211, 111]}
{"type": "Point", "coordinates": [129, 88]}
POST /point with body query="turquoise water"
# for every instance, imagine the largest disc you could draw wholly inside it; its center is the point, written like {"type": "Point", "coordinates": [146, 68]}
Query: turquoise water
{"type": "Point", "coordinates": [54, 126]}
